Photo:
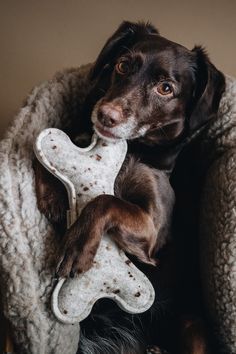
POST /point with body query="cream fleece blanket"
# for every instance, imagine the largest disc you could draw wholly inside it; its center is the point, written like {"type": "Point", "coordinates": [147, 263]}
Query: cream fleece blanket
{"type": "Point", "coordinates": [218, 221]}
{"type": "Point", "coordinates": [28, 245]}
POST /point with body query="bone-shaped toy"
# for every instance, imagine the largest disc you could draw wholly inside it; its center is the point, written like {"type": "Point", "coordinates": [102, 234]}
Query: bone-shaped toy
{"type": "Point", "coordinates": [87, 173]}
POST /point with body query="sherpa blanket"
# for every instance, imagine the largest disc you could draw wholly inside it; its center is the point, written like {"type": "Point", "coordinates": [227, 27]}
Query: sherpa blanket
{"type": "Point", "coordinates": [29, 246]}
{"type": "Point", "coordinates": [218, 221]}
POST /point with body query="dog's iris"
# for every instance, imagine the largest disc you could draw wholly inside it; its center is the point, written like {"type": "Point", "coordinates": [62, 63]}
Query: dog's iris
{"type": "Point", "coordinates": [164, 88]}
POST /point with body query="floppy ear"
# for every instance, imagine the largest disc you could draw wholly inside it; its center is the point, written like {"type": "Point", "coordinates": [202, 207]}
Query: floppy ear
{"type": "Point", "coordinates": [124, 37]}
{"type": "Point", "coordinates": [210, 84]}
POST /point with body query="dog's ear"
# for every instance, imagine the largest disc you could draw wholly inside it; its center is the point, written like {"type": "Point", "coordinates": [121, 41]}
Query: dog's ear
{"type": "Point", "coordinates": [210, 84]}
{"type": "Point", "coordinates": [124, 37]}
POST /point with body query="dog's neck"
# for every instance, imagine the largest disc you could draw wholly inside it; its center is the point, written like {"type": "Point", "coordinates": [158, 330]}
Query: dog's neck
{"type": "Point", "coordinates": [157, 156]}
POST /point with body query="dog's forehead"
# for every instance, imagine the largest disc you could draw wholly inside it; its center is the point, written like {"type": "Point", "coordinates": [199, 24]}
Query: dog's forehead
{"type": "Point", "coordinates": [159, 53]}
{"type": "Point", "coordinates": [155, 43]}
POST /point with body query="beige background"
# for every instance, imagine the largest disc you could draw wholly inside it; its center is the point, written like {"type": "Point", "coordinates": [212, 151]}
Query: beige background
{"type": "Point", "coordinates": [39, 37]}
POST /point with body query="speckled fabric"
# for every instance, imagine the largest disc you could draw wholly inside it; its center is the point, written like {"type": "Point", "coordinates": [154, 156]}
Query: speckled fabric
{"type": "Point", "coordinates": [218, 221]}
{"type": "Point", "coordinates": [28, 244]}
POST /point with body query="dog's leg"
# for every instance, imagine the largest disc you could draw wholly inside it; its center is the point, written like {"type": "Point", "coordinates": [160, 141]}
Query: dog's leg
{"type": "Point", "coordinates": [132, 229]}
{"type": "Point", "coordinates": [51, 196]}
{"type": "Point", "coordinates": [138, 224]}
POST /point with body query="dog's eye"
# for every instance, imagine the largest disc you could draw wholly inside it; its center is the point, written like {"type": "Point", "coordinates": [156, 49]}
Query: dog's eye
{"type": "Point", "coordinates": [122, 67]}
{"type": "Point", "coordinates": [164, 88]}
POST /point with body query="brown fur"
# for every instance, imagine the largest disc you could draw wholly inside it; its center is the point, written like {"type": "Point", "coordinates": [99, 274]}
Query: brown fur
{"type": "Point", "coordinates": [193, 337]}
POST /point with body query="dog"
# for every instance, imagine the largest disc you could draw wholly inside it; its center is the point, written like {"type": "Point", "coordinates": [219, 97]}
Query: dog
{"type": "Point", "coordinates": [156, 94]}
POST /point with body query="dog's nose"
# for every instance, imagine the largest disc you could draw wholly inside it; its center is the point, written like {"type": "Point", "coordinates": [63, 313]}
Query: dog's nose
{"type": "Point", "coordinates": [109, 115]}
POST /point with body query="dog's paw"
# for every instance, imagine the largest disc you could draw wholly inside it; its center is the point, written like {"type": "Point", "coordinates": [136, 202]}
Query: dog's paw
{"type": "Point", "coordinates": [54, 208]}
{"type": "Point", "coordinates": [153, 349]}
{"type": "Point", "coordinates": [80, 243]}
{"type": "Point", "coordinates": [78, 250]}
{"type": "Point", "coordinates": [75, 262]}
{"type": "Point", "coordinates": [51, 195]}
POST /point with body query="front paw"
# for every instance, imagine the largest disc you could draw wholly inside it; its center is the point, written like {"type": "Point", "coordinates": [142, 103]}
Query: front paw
{"type": "Point", "coordinates": [78, 251]}
{"type": "Point", "coordinates": [74, 262]}
{"type": "Point", "coordinates": [54, 207]}
{"type": "Point", "coordinates": [51, 195]}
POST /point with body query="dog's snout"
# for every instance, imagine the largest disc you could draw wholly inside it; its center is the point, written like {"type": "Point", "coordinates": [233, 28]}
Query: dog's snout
{"type": "Point", "coordinates": [109, 115]}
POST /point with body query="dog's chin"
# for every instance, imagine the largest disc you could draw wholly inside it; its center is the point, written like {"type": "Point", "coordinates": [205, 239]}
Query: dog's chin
{"type": "Point", "coordinates": [120, 132]}
{"type": "Point", "coordinates": [105, 134]}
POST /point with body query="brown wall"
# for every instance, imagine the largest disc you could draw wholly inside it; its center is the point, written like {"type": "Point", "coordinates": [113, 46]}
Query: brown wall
{"type": "Point", "coordinates": [39, 37]}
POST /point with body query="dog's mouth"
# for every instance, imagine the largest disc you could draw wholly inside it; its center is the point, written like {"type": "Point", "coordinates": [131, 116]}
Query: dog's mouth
{"type": "Point", "coordinates": [104, 133]}
{"type": "Point", "coordinates": [127, 130]}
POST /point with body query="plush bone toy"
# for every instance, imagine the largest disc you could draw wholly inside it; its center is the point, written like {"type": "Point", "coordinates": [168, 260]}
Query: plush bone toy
{"type": "Point", "coordinates": [86, 173]}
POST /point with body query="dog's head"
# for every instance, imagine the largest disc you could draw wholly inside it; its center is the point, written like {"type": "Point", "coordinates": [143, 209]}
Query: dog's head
{"type": "Point", "coordinates": [151, 88]}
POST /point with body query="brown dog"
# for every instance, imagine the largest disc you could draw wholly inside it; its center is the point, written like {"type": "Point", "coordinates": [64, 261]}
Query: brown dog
{"type": "Point", "coordinates": [155, 93]}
